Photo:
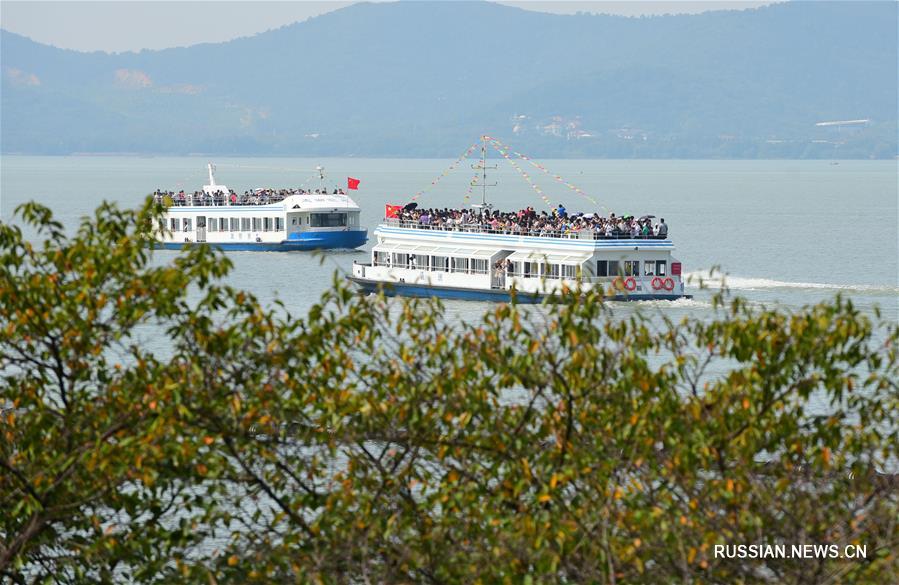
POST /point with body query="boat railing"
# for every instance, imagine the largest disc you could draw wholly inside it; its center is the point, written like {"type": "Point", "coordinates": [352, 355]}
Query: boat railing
{"type": "Point", "coordinates": [204, 200]}
{"type": "Point", "coordinates": [571, 234]}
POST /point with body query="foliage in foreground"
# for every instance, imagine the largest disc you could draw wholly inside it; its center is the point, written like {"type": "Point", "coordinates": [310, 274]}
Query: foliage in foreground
{"type": "Point", "coordinates": [374, 441]}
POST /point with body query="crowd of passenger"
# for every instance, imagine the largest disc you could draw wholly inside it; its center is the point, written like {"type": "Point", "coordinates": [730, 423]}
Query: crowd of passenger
{"type": "Point", "coordinates": [217, 198]}
{"type": "Point", "coordinates": [529, 222]}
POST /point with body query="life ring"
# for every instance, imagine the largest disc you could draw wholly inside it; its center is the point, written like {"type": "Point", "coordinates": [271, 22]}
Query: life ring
{"type": "Point", "coordinates": [656, 283]}
{"type": "Point", "coordinates": [668, 283]}
{"type": "Point", "coordinates": [618, 283]}
{"type": "Point", "coordinates": [630, 284]}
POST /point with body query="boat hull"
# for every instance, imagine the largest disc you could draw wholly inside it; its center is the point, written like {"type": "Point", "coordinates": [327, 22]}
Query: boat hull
{"type": "Point", "coordinates": [304, 241]}
{"type": "Point", "coordinates": [406, 289]}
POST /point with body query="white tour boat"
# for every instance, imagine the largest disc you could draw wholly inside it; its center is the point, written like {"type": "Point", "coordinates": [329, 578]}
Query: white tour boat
{"type": "Point", "coordinates": [262, 219]}
{"type": "Point", "coordinates": [482, 254]}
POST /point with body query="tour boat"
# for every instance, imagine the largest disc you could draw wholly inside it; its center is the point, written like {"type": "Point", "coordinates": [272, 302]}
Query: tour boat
{"type": "Point", "coordinates": [479, 264]}
{"type": "Point", "coordinates": [465, 257]}
{"type": "Point", "coordinates": [262, 219]}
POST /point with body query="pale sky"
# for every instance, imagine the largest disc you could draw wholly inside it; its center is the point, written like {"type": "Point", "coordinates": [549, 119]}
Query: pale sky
{"type": "Point", "coordinates": [116, 26]}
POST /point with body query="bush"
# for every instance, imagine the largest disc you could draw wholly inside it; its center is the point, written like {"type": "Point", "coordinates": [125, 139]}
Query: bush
{"type": "Point", "coordinates": [375, 441]}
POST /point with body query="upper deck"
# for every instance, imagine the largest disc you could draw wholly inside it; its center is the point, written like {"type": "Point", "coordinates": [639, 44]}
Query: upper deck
{"type": "Point", "coordinates": [283, 200]}
{"type": "Point", "coordinates": [525, 229]}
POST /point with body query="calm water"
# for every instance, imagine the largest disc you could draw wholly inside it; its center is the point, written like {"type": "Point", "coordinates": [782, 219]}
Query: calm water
{"type": "Point", "coordinates": [787, 232]}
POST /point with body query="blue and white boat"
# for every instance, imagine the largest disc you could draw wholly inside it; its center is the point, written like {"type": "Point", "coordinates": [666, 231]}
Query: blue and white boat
{"type": "Point", "coordinates": [262, 219]}
{"type": "Point", "coordinates": [477, 263]}
{"type": "Point", "coordinates": [481, 254]}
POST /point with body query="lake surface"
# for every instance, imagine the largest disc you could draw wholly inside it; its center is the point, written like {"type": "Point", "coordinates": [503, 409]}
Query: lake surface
{"type": "Point", "coordinates": [787, 233]}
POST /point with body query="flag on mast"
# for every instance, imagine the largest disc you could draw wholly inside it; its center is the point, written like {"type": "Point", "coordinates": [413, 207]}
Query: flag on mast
{"type": "Point", "coordinates": [392, 210]}
{"type": "Point", "coordinates": [352, 183]}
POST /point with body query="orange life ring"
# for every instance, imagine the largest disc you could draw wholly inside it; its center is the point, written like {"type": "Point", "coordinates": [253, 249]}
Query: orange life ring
{"type": "Point", "coordinates": [631, 283]}
{"type": "Point", "coordinates": [656, 283]}
{"type": "Point", "coordinates": [668, 283]}
{"type": "Point", "coordinates": [618, 283]}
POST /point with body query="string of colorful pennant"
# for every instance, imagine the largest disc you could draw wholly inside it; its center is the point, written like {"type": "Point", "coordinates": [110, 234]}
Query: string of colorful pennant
{"type": "Point", "coordinates": [471, 185]}
{"type": "Point", "coordinates": [449, 169]}
{"type": "Point", "coordinates": [497, 144]}
{"type": "Point", "coordinates": [523, 174]}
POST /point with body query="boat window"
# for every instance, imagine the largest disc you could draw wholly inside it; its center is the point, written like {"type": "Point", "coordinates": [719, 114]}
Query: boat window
{"type": "Point", "coordinates": [187, 226]}
{"type": "Point", "coordinates": [614, 268]}
{"type": "Point", "coordinates": [660, 267]}
{"type": "Point", "coordinates": [211, 224]}
{"type": "Point", "coordinates": [257, 224]}
{"type": "Point", "coordinates": [328, 219]}
{"type": "Point", "coordinates": [459, 264]}
{"type": "Point", "coordinates": [551, 270]}
{"type": "Point", "coordinates": [440, 263]}
{"type": "Point", "coordinates": [399, 260]}
{"type": "Point", "coordinates": [421, 261]}
{"type": "Point", "coordinates": [602, 268]}
{"type": "Point", "coordinates": [266, 224]}
{"type": "Point", "coordinates": [279, 224]}
{"type": "Point", "coordinates": [293, 221]}
{"type": "Point", "coordinates": [245, 224]}
{"type": "Point", "coordinates": [235, 224]}
{"type": "Point", "coordinates": [649, 268]}
{"type": "Point", "coordinates": [382, 259]}
{"type": "Point", "coordinates": [569, 271]}
{"type": "Point", "coordinates": [479, 265]}
{"type": "Point", "coordinates": [176, 224]}
{"type": "Point", "coordinates": [162, 225]}
{"type": "Point", "coordinates": [631, 268]}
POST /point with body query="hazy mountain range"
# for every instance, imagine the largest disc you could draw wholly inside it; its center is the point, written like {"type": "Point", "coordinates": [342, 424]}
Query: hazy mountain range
{"type": "Point", "coordinates": [427, 78]}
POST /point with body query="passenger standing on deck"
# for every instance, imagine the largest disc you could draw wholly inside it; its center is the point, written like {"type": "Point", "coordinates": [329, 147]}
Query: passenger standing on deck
{"type": "Point", "coordinates": [663, 229]}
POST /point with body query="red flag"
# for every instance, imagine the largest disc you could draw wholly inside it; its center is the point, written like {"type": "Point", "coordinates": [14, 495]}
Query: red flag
{"type": "Point", "coordinates": [392, 210]}
{"type": "Point", "coordinates": [352, 183]}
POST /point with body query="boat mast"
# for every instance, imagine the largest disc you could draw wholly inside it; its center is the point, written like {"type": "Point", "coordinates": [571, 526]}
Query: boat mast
{"type": "Point", "coordinates": [321, 177]}
{"type": "Point", "coordinates": [482, 166]}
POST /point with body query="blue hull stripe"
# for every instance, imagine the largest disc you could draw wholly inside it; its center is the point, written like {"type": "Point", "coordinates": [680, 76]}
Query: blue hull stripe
{"type": "Point", "coordinates": [470, 294]}
{"type": "Point", "coordinates": [297, 241]}
{"type": "Point", "coordinates": [302, 241]}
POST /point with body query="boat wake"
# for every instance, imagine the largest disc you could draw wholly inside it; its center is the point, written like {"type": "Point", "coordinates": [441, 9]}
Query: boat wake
{"type": "Point", "coordinates": [681, 303]}
{"type": "Point", "coordinates": [717, 281]}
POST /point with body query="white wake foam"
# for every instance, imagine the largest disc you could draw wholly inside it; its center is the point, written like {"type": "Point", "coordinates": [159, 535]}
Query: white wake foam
{"type": "Point", "coordinates": [682, 303]}
{"type": "Point", "coordinates": [718, 280]}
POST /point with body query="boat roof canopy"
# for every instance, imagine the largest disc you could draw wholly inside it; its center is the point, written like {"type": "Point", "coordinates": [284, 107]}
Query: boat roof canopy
{"type": "Point", "coordinates": [534, 256]}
